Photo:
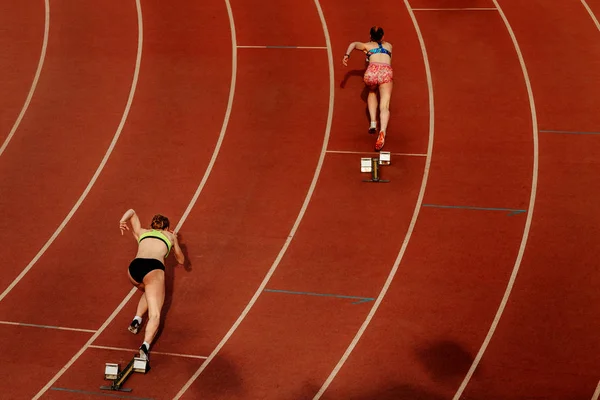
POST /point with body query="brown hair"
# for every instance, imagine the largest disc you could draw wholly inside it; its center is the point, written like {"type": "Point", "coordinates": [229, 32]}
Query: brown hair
{"type": "Point", "coordinates": [376, 33]}
{"type": "Point", "coordinates": [160, 222]}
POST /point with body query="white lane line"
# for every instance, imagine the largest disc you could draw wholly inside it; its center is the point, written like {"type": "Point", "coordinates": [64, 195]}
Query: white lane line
{"type": "Point", "coordinates": [290, 237]}
{"type": "Point", "coordinates": [36, 78]}
{"type": "Point", "coordinates": [284, 47]}
{"type": "Point", "coordinates": [89, 185]}
{"type": "Point", "coordinates": [375, 154]}
{"type": "Point", "coordinates": [120, 128]}
{"type": "Point", "coordinates": [596, 392]}
{"type": "Point", "coordinates": [413, 221]}
{"type": "Point", "coordinates": [191, 204]}
{"type": "Point", "coordinates": [82, 350]}
{"type": "Point", "coordinates": [61, 328]}
{"type": "Point", "coordinates": [456, 9]}
{"type": "Point", "coordinates": [592, 15]}
{"type": "Point", "coordinates": [136, 351]}
{"type": "Point", "coordinates": [530, 208]}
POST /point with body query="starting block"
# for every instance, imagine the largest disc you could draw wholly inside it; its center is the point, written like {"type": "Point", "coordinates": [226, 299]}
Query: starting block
{"type": "Point", "coordinates": [118, 378]}
{"type": "Point", "coordinates": [371, 164]}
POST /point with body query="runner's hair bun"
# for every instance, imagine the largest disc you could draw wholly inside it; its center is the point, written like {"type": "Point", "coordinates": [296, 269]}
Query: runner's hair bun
{"type": "Point", "coordinates": [376, 33]}
{"type": "Point", "coordinates": [160, 222]}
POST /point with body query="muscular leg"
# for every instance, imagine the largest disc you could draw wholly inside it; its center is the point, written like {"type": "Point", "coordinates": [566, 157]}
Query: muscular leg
{"type": "Point", "coordinates": [155, 297]}
{"type": "Point", "coordinates": [142, 306]}
{"type": "Point", "coordinates": [385, 93]}
{"type": "Point", "coordinates": [372, 104]}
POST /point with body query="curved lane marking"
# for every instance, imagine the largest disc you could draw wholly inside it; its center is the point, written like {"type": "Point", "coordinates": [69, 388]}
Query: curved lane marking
{"type": "Point", "coordinates": [114, 141]}
{"type": "Point", "coordinates": [36, 78]}
{"type": "Point", "coordinates": [534, 179]}
{"type": "Point", "coordinates": [592, 15]}
{"type": "Point", "coordinates": [596, 392]}
{"type": "Point", "coordinates": [290, 237]}
{"type": "Point", "coordinates": [413, 221]}
{"type": "Point", "coordinates": [125, 300]}
{"type": "Point", "coordinates": [91, 182]}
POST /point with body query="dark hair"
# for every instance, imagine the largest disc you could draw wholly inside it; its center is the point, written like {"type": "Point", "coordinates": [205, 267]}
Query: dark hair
{"type": "Point", "coordinates": [160, 222]}
{"type": "Point", "coordinates": [376, 33]}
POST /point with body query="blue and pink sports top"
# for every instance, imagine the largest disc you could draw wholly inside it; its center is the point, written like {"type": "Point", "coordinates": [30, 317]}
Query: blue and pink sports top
{"type": "Point", "coordinates": [379, 49]}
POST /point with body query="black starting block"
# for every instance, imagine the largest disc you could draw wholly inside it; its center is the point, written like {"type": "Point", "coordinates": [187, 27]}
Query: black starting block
{"type": "Point", "coordinates": [118, 378]}
{"type": "Point", "coordinates": [372, 164]}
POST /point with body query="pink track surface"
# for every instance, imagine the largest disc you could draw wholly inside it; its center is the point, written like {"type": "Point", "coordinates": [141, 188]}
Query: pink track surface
{"type": "Point", "coordinates": [471, 275]}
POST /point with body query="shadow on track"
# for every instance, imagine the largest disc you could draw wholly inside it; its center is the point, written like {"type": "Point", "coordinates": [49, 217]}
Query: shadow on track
{"type": "Point", "coordinates": [171, 268]}
{"type": "Point", "coordinates": [446, 361]}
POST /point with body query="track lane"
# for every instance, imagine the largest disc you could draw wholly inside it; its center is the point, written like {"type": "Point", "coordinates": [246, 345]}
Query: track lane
{"type": "Point", "coordinates": [252, 226]}
{"type": "Point", "coordinates": [32, 359]}
{"type": "Point", "coordinates": [87, 74]}
{"type": "Point", "coordinates": [434, 315]}
{"type": "Point", "coordinates": [162, 143]}
{"type": "Point", "coordinates": [409, 101]}
{"type": "Point", "coordinates": [271, 343]}
{"type": "Point", "coordinates": [22, 52]}
{"type": "Point", "coordinates": [179, 86]}
{"type": "Point", "coordinates": [453, 5]}
{"type": "Point", "coordinates": [545, 344]}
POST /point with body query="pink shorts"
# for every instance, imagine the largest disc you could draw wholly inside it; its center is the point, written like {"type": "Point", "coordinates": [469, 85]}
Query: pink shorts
{"type": "Point", "coordinates": [378, 74]}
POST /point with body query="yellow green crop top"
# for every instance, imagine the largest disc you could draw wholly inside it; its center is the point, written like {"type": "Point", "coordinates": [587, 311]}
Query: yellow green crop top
{"type": "Point", "coordinates": [157, 235]}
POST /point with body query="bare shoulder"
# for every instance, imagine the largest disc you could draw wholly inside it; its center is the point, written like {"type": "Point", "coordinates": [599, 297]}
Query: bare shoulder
{"type": "Point", "coordinates": [169, 235]}
{"type": "Point", "coordinates": [361, 46]}
{"type": "Point", "coordinates": [369, 45]}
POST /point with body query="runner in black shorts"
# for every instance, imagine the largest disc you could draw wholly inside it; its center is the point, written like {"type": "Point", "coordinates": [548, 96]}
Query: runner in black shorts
{"type": "Point", "coordinates": [147, 270]}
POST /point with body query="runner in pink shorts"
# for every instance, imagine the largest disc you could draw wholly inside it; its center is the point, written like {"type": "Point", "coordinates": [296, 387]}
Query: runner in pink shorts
{"type": "Point", "coordinates": [379, 76]}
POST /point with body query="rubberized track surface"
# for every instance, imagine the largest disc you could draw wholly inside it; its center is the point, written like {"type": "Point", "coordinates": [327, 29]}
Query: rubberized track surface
{"type": "Point", "coordinates": [471, 275]}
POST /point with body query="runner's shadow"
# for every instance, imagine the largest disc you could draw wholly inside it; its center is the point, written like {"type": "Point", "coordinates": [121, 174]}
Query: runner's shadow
{"type": "Point", "coordinates": [365, 91]}
{"type": "Point", "coordinates": [171, 267]}
{"type": "Point", "coordinates": [349, 74]}
{"type": "Point", "coordinates": [187, 265]}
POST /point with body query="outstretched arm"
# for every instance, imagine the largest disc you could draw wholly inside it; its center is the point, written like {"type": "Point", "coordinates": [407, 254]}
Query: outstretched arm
{"type": "Point", "coordinates": [136, 226]}
{"type": "Point", "coordinates": [177, 250]}
{"type": "Point", "coordinates": [353, 46]}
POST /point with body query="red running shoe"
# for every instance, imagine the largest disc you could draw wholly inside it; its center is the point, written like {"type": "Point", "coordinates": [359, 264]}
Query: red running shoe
{"type": "Point", "coordinates": [380, 141]}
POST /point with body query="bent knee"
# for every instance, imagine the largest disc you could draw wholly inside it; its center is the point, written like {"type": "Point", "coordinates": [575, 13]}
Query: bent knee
{"type": "Point", "coordinates": [154, 315]}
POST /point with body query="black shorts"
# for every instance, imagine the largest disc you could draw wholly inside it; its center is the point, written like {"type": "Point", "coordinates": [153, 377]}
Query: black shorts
{"type": "Point", "coordinates": [140, 267]}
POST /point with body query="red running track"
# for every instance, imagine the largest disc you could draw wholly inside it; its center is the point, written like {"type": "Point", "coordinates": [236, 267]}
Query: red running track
{"type": "Point", "coordinates": [250, 148]}
{"type": "Point", "coordinates": [21, 51]}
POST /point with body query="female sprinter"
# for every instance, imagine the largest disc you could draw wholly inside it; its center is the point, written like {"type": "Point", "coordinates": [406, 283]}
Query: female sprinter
{"type": "Point", "coordinates": [147, 270]}
{"type": "Point", "coordinates": [379, 74]}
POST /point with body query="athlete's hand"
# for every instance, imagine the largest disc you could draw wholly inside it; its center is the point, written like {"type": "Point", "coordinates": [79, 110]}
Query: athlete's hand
{"type": "Point", "coordinates": [123, 226]}
{"type": "Point", "coordinates": [345, 60]}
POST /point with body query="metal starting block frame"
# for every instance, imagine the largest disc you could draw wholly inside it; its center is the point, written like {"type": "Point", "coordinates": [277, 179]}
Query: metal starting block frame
{"type": "Point", "coordinates": [111, 373]}
{"type": "Point", "coordinates": [371, 164]}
